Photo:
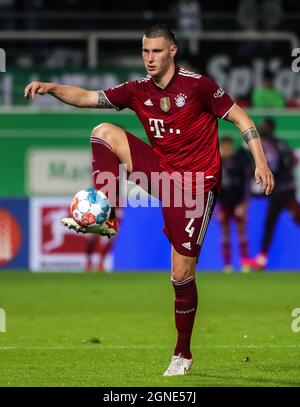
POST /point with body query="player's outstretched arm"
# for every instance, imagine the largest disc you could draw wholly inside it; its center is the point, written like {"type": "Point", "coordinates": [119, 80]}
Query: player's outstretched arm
{"type": "Point", "coordinates": [246, 126]}
{"type": "Point", "coordinates": [71, 95]}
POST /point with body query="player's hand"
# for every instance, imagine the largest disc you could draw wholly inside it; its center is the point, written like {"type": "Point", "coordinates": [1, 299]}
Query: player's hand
{"type": "Point", "coordinates": [263, 175]}
{"type": "Point", "coordinates": [40, 88]}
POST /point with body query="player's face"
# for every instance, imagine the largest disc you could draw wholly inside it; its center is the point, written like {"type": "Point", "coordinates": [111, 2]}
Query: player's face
{"type": "Point", "coordinates": [158, 55]}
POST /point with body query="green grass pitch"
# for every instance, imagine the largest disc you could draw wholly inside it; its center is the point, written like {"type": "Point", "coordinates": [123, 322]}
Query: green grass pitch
{"type": "Point", "coordinates": [116, 329]}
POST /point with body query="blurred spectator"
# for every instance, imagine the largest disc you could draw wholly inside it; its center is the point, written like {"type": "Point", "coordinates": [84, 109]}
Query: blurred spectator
{"type": "Point", "coordinates": [259, 14]}
{"type": "Point", "coordinates": [271, 14]}
{"type": "Point", "coordinates": [247, 14]}
{"type": "Point", "coordinates": [31, 9]}
{"type": "Point", "coordinates": [6, 4]}
{"type": "Point", "coordinates": [63, 57]}
{"type": "Point", "coordinates": [6, 23]}
{"type": "Point", "coordinates": [189, 22]}
{"type": "Point", "coordinates": [189, 16]}
{"type": "Point", "coordinates": [233, 199]}
{"type": "Point", "coordinates": [281, 160]}
{"type": "Point", "coordinates": [267, 95]}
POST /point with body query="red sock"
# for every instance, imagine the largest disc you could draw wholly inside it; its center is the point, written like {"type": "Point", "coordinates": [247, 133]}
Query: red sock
{"type": "Point", "coordinates": [104, 160]}
{"type": "Point", "coordinates": [186, 301]}
{"type": "Point", "coordinates": [226, 249]}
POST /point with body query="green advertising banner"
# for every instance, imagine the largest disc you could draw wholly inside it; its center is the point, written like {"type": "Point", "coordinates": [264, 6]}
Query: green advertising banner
{"type": "Point", "coordinates": [13, 82]}
{"type": "Point", "coordinates": [49, 152]}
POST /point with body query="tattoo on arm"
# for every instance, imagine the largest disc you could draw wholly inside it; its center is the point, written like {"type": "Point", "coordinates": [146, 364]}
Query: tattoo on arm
{"type": "Point", "coordinates": [103, 103]}
{"type": "Point", "coordinates": [250, 134]}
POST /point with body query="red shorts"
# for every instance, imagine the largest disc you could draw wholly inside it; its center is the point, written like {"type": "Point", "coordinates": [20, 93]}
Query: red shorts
{"type": "Point", "coordinates": [185, 233]}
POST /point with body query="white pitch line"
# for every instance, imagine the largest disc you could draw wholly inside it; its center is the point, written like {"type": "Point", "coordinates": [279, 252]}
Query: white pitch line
{"type": "Point", "coordinates": [99, 346]}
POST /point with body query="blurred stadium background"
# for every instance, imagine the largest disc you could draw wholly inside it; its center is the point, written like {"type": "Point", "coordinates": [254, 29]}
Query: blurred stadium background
{"type": "Point", "coordinates": [44, 144]}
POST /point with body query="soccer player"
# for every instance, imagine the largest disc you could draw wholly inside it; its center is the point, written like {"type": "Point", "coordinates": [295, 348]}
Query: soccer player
{"type": "Point", "coordinates": [233, 200]}
{"type": "Point", "coordinates": [282, 161]}
{"type": "Point", "coordinates": [179, 110]}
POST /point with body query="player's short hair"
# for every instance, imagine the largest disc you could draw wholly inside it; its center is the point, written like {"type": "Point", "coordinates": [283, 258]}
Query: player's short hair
{"type": "Point", "coordinates": [160, 30]}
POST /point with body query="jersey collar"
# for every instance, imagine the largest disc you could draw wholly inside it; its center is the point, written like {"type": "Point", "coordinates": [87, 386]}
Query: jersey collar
{"type": "Point", "coordinates": [170, 82]}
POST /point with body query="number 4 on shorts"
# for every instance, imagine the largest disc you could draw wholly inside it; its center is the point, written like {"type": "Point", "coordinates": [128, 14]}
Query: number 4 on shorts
{"type": "Point", "coordinates": [190, 229]}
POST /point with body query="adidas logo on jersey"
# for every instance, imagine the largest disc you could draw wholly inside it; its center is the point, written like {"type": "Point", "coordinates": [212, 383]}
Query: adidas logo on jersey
{"type": "Point", "coordinates": [148, 103]}
{"type": "Point", "coordinates": [187, 245]}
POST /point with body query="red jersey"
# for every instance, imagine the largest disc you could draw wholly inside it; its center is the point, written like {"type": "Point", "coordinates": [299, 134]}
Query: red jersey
{"type": "Point", "coordinates": [180, 120]}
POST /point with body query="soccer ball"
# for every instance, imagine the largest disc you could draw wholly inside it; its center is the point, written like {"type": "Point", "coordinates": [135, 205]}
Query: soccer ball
{"type": "Point", "coordinates": [90, 207]}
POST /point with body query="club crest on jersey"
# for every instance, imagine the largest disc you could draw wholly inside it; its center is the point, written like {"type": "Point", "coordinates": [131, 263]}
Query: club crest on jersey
{"type": "Point", "coordinates": [165, 104]}
{"type": "Point", "coordinates": [180, 99]}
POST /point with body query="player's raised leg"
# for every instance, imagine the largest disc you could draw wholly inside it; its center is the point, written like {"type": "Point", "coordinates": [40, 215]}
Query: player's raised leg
{"type": "Point", "coordinates": [110, 148]}
{"type": "Point", "coordinates": [186, 300]}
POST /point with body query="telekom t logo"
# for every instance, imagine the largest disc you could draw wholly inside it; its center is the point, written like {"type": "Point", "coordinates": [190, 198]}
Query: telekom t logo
{"type": "Point", "coordinates": [157, 125]}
